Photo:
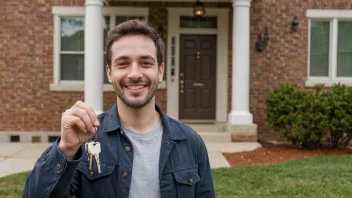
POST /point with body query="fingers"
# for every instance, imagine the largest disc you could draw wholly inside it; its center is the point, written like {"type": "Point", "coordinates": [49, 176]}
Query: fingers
{"type": "Point", "coordinates": [90, 111]}
{"type": "Point", "coordinates": [71, 121]}
{"type": "Point", "coordinates": [81, 115]}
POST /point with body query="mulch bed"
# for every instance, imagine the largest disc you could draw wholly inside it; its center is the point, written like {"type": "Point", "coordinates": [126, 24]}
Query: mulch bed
{"type": "Point", "coordinates": [277, 153]}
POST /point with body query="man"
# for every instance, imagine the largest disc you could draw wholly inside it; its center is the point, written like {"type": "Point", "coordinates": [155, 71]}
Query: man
{"type": "Point", "coordinates": [144, 153]}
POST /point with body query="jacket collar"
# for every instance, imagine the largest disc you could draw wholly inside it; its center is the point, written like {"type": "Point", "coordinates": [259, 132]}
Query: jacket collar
{"type": "Point", "coordinates": [112, 123]}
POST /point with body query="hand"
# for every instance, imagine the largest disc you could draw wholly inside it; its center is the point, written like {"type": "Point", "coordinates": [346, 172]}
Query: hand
{"type": "Point", "coordinates": [77, 126]}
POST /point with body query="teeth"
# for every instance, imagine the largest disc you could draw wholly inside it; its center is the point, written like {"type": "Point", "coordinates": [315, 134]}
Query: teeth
{"type": "Point", "coordinates": [135, 87]}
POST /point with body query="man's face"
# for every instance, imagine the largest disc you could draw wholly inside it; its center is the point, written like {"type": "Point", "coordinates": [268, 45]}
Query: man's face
{"type": "Point", "coordinates": [134, 71]}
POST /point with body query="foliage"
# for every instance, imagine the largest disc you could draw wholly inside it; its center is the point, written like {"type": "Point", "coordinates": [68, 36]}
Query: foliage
{"type": "Point", "coordinates": [308, 118]}
{"type": "Point", "coordinates": [299, 116]}
{"type": "Point", "coordinates": [340, 116]}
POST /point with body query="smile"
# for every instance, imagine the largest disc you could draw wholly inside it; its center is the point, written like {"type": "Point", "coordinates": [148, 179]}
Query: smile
{"type": "Point", "coordinates": [135, 87]}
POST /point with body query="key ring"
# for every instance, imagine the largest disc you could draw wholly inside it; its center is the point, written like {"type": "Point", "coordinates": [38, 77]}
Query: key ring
{"type": "Point", "coordinates": [94, 138]}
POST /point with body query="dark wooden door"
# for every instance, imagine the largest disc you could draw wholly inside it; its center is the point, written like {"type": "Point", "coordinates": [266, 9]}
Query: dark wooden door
{"type": "Point", "coordinates": [197, 85]}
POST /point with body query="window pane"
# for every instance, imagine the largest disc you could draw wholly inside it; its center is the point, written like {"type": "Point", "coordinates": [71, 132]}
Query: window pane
{"type": "Point", "coordinates": [106, 80]}
{"type": "Point", "coordinates": [121, 19]}
{"type": "Point", "coordinates": [72, 66]}
{"type": "Point", "coordinates": [319, 48]}
{"type": "Point", "coordinates": [344, 50]}
{"type": "Point", "coordinates": [106, 28]}
{"type": "Point", "coordinates": [72, 34]}
{"type": "Point", "coordinates": [195, 22]}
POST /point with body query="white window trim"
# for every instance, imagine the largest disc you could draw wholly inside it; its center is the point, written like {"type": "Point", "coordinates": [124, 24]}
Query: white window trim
{"type": "Point", "coordinates": [79, 11]}
{"type": "Point", "coordinates": [333, 16]}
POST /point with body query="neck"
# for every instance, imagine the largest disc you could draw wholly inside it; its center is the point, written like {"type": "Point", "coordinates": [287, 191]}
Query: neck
{"type": "Point", "coordinates": [139, 120]}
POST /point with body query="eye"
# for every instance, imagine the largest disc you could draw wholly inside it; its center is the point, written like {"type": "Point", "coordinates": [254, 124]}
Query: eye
{"type": "Point", "coordinates": [146, 63]}
{"type": "Point", "coordinates": [122, 64]}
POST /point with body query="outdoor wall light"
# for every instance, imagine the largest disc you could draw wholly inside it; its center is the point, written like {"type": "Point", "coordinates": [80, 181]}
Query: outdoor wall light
{"type": "Point", "coordinates": [198, 9]}
{"type": "Point", "coordinates": [263, 40]}
{"type": "Point", "coordinates": [295, 24]}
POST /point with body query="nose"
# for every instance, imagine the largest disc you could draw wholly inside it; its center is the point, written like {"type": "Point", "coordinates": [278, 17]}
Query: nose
{"type": "Point", "coordinates": [135, 71]}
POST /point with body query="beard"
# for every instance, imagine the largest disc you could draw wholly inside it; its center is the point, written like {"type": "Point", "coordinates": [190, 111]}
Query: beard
{"type": "Point", "coordinates": [131, 102]}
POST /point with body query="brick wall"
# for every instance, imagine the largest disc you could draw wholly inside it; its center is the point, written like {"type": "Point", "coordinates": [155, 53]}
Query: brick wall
{"type": "Point", "coordinates": [285, 58]}
{"type": "Point", "coordinates": [26, 63]}
{"type": "Point", "coordinates": [26, 67]}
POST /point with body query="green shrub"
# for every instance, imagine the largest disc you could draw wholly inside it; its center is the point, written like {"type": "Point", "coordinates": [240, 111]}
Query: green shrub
{"type": "Point", "coordinates": [307, 118]}
{"type": "Point", "coordinates": [298, 115]}
{"type": "Point", "coordinates": [340, 116]}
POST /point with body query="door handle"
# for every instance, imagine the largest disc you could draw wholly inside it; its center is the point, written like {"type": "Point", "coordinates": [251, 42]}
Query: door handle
{"type": "Point", "coordinates": [198, 55]}
{"type": "Point", "coordinates": [181, 86]}
{"type": "Point", "coordinates": [198, 84]}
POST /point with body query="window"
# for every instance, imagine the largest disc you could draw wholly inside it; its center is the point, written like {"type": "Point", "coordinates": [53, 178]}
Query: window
{"type": "Point", "coordinates": [72, 48]}
{"type": "Point", "coordinates": [69, 42]}
{"type": "Point", "coordinates": [330, 47]}
{"type": "Point", "coordinates": [319, 48]}
{"type": "Point", "coordinates": [344, 49]}
{"type": "Point", "coordinates": [196, 22]}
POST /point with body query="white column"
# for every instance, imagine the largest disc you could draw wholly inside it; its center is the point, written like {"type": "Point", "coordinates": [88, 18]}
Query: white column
{"type": "Point", "coordinates": [93, 55]}
{"type": "Point", "coordinates": [240, 114]}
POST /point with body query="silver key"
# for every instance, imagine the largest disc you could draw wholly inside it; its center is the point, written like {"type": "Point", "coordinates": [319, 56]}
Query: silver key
{"type": "Point", "coordinates": [90, 157]}
{"type": "Point", "coordinates": [96, 156]}
{"type": "Point", "coordinates": [94, 150]}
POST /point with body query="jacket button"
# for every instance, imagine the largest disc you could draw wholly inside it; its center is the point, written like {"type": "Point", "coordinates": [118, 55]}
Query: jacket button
{"type": "Point", "coordinates": [58, 166]}
{"type": "Point", "coordinates": [125, 175]}
{"type": "Point", "coordinates": [127, 149]}
{"type": "Point", "coordinates": [190, 181]}
{"type": "Point", "coordinates": [91, 173]}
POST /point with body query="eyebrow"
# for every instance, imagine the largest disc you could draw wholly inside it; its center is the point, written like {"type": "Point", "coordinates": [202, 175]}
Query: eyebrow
{"type": "Point", "coordinates": [147, 57]}
{"type": "Point", "coordinates": [127, 58]}
{"type": "Point", "coordinates": [121, 58]}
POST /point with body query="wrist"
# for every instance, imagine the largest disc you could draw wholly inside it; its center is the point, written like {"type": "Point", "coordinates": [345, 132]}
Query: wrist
{"type": "Point", "coordinates": [68, 152]}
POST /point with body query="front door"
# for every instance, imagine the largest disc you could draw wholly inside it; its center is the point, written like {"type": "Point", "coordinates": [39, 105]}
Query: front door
{"type": "Point", "coordinates": [197, 84]}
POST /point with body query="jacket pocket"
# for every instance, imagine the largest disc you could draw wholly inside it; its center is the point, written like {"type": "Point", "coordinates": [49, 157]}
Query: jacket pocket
{"type": "Point", "coordinates": [95, 184]}
{"type": "Point", "coordinates": [185, 182]}
{"type": "Point", "coordinates": [106, 169]}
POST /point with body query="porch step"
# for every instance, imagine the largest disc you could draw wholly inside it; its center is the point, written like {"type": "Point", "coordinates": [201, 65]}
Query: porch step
{"type": "Point", "coordinates": [211, 132]}
{"type": "Point", "coordinates": [215, 137]}
{"type": "Point", "coordinates": [208, 127]}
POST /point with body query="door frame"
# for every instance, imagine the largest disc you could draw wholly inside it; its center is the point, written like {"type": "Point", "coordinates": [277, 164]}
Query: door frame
{"type": "Point", "coordinates": [221, 32]}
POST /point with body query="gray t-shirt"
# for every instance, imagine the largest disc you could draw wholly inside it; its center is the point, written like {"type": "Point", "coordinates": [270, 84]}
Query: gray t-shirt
{"type": "Point", "coordinates": [145, 169]}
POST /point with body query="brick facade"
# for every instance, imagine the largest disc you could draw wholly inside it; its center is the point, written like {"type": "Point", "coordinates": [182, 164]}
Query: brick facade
{"type": "Point", "coordinates": [286, 57]}
{"type": "Point", "coordinates": [26, 61]}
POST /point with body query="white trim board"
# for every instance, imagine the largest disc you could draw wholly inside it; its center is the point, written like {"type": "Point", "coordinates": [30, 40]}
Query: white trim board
{"type": "Point", "coordinates": [328, 14]}
{"type": "Point", "coordinates": [118, 11]}
{"type": "Point", "coordinates": [221, 65]}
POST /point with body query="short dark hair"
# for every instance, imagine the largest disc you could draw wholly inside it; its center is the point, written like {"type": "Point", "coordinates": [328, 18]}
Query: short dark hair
{"type": "Point", "coordinates": [134, 27]}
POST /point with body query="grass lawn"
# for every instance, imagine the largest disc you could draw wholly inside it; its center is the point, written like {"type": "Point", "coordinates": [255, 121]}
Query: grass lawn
{"type": "Point", "coordinates": [322, 176]}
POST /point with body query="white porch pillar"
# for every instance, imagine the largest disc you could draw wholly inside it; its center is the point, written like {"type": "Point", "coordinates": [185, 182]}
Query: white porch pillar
{"type": "Point", "coordinates": [240, 119]}
{"type": "Point", "coordinates": [93, 55]}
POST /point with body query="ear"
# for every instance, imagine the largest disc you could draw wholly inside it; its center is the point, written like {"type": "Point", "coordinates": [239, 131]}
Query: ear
{"type": "Point", "coordinates": [108, 73]}
{"type": "Point", "coordinates": [161, 72]}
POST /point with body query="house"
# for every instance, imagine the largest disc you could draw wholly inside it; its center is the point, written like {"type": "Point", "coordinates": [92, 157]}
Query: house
{"type": "Point", "coordinates": [219, 67]}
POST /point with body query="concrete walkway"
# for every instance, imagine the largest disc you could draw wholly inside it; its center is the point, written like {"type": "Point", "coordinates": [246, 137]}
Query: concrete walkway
{"type": "Point", "coordinates": [20, 157]}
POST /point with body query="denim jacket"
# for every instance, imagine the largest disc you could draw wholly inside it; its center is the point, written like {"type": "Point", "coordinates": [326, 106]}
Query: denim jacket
{"type": "Point", "coordinates": [184, 169]}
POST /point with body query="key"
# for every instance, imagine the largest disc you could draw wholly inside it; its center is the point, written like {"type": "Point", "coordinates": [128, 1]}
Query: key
{"type": "Point", "coordinates": [90, 157]}
{"type": "Point", "coordinates": [96, 156]}
{"type": "Point", "coordinates": [94, 150]}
